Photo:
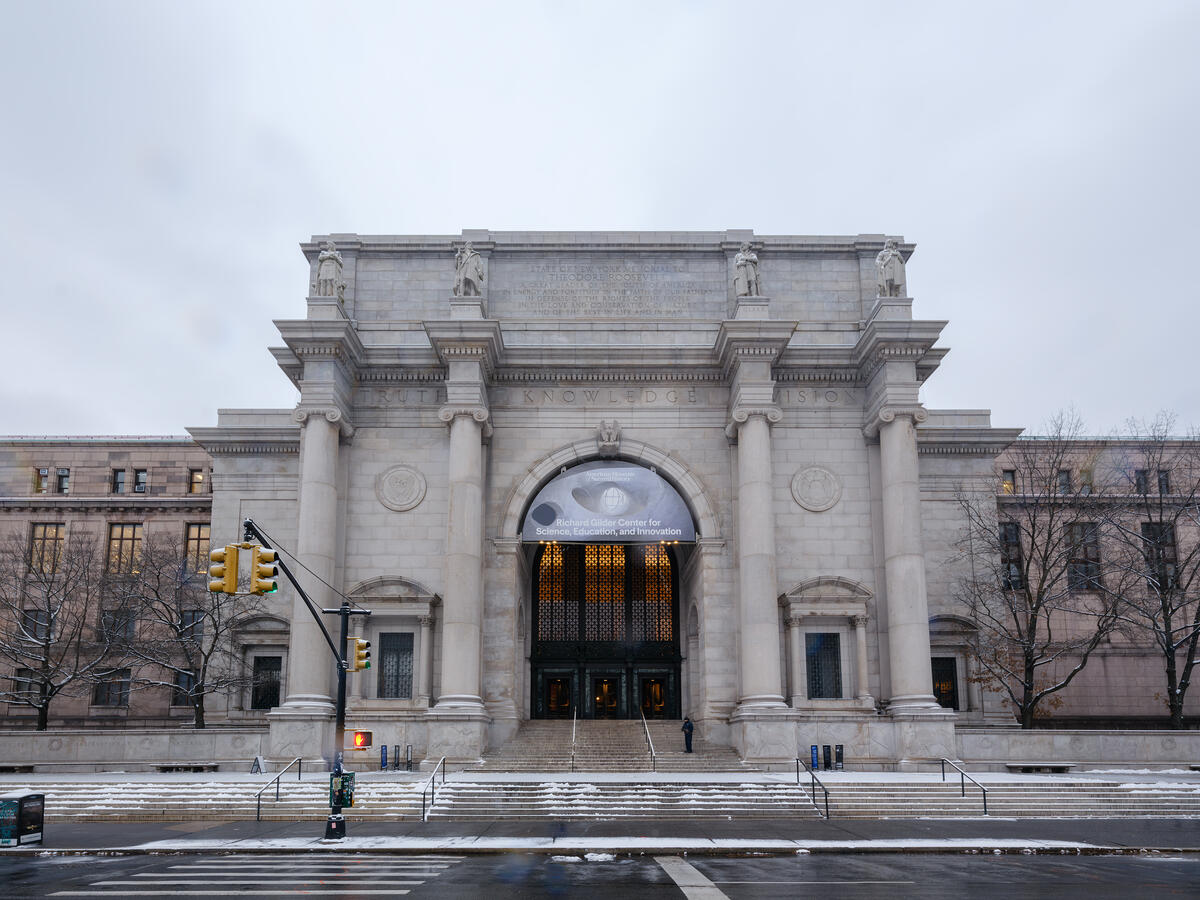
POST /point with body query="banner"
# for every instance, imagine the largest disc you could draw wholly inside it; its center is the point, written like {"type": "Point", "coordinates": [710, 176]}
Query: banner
{"type": "Point", "coordinates": [610, 502]}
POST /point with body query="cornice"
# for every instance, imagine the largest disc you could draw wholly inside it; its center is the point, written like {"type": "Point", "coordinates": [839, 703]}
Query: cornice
{"type": "Point", "coordinates": [466, 339]}
{"type": "Point", "coordinates": [245, 440]}
{"type": "Point", "coordinates": [982, 442]}
{"type": "Point", "coordinates": [741, 339]}
{"type": "Point", "coordinates": [515, 375]}
{"type": "Point", "coordinates": [334, 339]}
{"type": "Point", "coordinates": [198, 502]}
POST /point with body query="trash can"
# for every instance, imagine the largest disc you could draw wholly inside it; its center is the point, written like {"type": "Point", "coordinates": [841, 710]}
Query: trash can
{"type": "Point", "coordinates": [21, 815]}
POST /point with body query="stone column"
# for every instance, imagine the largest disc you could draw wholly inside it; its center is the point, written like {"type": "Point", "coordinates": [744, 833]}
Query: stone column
{"type": "Point", "coordinates": [904, 562]}
{"type": "Point", "coordinates": [861, 688]}
{"type": "Point", "coordinates": [462, 604]}
{"type": "Point", "coordinates": [796, 647]}
{"type": "Point", "coordinates": [425, 660]}
{"type": "Point", "coordinates": [758, 610]}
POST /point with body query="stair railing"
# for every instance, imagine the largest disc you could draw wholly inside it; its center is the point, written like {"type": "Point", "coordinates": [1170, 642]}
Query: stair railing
{"type": "Point", "coordinates": [650, 743]}
{"type": "Point", "coordinates": [574, 722]}
{"type": "Point", "coordinates": [814, 783]}
{"type": "Point", "coordinates": [298, 763]}
{"type": "Point", "coordinates": [963, 779]}
{"type": "Point", "coordinates": [430, 789]}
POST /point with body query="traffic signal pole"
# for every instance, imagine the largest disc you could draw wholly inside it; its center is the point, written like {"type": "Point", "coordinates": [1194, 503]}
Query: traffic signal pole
{"type": "Point", "coordinates": [335, 826]}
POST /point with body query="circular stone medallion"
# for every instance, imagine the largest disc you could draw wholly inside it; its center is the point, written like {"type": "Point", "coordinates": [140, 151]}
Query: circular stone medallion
{"type": "Point", "coordinates": [400, 488]}
{"type": "Point", "coordinates": [816, 488]}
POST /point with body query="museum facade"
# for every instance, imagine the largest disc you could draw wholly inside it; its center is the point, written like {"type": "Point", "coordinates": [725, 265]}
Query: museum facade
{"type": "Point", "coordinates": [615, 474]}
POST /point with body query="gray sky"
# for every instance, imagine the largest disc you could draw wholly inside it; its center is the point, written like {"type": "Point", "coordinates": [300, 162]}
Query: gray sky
{"type": "Point", "coordinates": [161, 161]}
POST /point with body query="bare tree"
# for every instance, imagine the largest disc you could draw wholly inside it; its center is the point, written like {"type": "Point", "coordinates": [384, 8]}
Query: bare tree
{"type": "Point", "coordinates": [50, 586]}
{"type": "Point", "coordinates": [184, 639]}
{"type": "Point", "coordinates": [1155, 535]}
{"type": "Point", "coordinates": [1037, 591]}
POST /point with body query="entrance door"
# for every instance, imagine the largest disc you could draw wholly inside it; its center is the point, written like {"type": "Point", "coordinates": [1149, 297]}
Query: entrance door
{"type": "Point", "coordinates": [558, 698]}
{"type": "Point", "coordinates": [606, 697]}
{"type": "Point", "coordinates": [654, 698]}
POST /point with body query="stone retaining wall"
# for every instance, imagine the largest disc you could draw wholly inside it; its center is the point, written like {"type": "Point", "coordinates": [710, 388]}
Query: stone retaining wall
{"type": "Point", "coordinates": [992, 748]}
{"type": "Point", "coordinates": [132, 750]}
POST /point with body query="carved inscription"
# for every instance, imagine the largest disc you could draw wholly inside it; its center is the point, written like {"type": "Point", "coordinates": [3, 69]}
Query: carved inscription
{"type": "Point", "coordinates": [610, 397]}
{"type": "Point", "coordinates": [616, 290]}
{"type": "Point", "coordinates": [404, 396]}
{"type": "Point", "coordinates": [815, 397]}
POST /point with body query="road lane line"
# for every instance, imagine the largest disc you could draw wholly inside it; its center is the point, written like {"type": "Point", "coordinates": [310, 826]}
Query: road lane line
{"type": "Point", "coordinates": [689, 879]}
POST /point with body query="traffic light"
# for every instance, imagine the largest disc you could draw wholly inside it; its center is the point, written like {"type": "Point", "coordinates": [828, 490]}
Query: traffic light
{"type": "Point", "coordinates": [223, 573]}
{"type": "Point", "coordinates": [362, 657]}
{"type": "Point", "coordinates": [263, 571]}
{"type": "Point", "coordinates": [361, 740]}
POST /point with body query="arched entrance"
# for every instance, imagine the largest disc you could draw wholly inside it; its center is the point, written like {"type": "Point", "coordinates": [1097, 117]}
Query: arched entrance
{"type": "Point", "coordinates": [605, 617]}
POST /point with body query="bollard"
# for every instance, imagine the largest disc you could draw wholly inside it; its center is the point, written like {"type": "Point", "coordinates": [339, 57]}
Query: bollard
{"type": "Point", "coordinates": [825, 751]}
{"type": "Point", "coordinates": [383, 757]}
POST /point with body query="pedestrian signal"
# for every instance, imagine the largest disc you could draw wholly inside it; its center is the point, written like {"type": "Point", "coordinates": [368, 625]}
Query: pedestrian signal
{"type": "Point", "coordinates": [223, 573]}
{"type": "Point", "coordinates": [361, 740]}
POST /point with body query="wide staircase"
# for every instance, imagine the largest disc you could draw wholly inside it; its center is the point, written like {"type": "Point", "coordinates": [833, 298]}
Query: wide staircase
{"type": "Point", "coordinates": [607, 745]}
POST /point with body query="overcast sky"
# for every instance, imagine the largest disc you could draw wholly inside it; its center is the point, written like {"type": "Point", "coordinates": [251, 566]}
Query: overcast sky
{"type": "Point", "coordinates": [161, 162]}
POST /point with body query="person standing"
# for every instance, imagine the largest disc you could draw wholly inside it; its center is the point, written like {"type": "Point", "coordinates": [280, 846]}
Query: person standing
{"type": "Point", "coordinates": [688, 728]}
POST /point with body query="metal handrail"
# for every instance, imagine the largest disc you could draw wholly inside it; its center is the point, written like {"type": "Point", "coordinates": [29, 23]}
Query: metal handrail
{"type": "Point", "coordinates": [650, 742]}
{"type": "Point", "coordinates": [298, 763]}
{"type": "Point", "coordinates": [574, 722]}
{"type": "Point", "coordinates": [963, 779]}
{"type": "Point", "coordinates": [431, 789]}
{"type": "Point", "coordinates": [815, 783]}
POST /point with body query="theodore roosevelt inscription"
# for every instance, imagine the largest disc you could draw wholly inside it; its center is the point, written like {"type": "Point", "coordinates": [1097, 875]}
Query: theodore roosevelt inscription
{"type": "Point", "coordinates": [607, 289]}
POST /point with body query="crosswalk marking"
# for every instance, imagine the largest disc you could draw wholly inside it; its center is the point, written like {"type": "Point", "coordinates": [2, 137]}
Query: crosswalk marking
{"type": "Point", "coordinates": [288, 876]}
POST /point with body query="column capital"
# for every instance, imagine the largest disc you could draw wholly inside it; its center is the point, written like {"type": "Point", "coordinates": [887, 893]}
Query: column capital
{"type": "Point", "coordinates": [425, 621]}
{"type": "Point", "coordinates": [859, 621]}
{"type": "Point", "coordinates": [301, 414]}
{"type": "Point", "coordinates": [452, 411]}
{"type": "Point", "coordinates": [742, 414]}
{"type": "Point", "coordinates": [888, 414]}
{"type": "Point", "coordinates": [794, 621]}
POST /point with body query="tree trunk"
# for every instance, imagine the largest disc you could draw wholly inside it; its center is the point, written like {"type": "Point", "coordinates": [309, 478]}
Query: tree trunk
{"type": "Point", "coordinates": [1174, 698]}
{"type": "Point", "coordinates": [198, 711]}
{"type": "Point", "coordinates": [43, 717]}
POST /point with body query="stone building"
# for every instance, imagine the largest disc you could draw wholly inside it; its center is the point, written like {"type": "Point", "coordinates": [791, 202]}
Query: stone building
{"type": "Point", "coordinates": [615, 474]}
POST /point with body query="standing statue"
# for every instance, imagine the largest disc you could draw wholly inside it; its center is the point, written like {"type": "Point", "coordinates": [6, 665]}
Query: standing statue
{"type": "Point", "coordinates": [889, 265]}
{"type": "Point", "coordinates": [329, 273]}
{"type": "Point", "coordinates": [468, 272]}
{"type": "Point", "coordinates": [745, 273]}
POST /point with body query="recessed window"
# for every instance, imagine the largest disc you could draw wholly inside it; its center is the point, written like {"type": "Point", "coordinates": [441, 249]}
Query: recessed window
{"type": "Point", "coordinates": [35, 625]}
{"type": "Point", "coordinates": [396, 665]}
{"type": "Point", "coordinates": [1164, 481]}
{"type": "Point", "coordinates": [112, 689]}
{"type": "Point", "coordinates": [196, 541]}
{"type": "Point", "coordinates": [41, 481]}
{"type": "Point", "coordinates": [124, 546]}
{"type": "Point", "coordinates": [1085, 482]}
{"type": "Point", "coordinates": [118, 481]}
{"type": "Point", "coordinates": [1083, 566]}
{"type": "Point", "coordinates": [195, 481]}
{"type": "Point", "coordinates": [181, 693]}
{"type": "Point", "coordinates": [45, 546]}
{"type": "Point", "coordinates": [140, 477]}
{"type": "Point", "coordinates": [1158, 546]}
{"type": "Point", "coordinates": [1008, 481]}
{"type": "Point", "coordinates": [823, 656]}
{"type": "Point", "coordinates": [1063, 482]}
{"type": "Point", "coordinates": [945, 681]}
{"type": "Point", "coordinates": [25, 686]}
{"type": "Point", "coordinates": [191, 625]}
{"type": "Point", "coordinates": [1012, 577]}
{"type": "Point", "coordinates": [264, 691]}
{"type": "Point", "coordinates": [62, 481]}
{"type": "Point", "coordinates": [117, 625]}
{"type": "Point", "coordinates": [1141, 481]}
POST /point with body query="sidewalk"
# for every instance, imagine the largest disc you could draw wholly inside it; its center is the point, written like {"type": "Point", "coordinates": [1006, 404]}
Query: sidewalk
{"type": "Point", "coordinates": [983, 835]}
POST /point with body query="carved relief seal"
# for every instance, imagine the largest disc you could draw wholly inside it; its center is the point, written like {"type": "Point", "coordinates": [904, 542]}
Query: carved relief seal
{"type": "Point", "coordinates": [400, 488]}
{"type": "Point", "coordinates": [816, 488]}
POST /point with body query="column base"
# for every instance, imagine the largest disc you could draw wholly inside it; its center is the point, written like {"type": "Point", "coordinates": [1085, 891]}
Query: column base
{"type": "Point", "coordinates": [916, 704]}
{"type": "Point", "coordinates": [306, 732]}
{"type": "Point", "coordinates": [764, 734]}
{"type": "Point", "coordinates": [457, 732]}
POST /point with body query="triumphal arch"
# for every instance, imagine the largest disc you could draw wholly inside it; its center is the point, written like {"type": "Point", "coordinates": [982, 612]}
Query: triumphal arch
{"type": "Point", "coordinates": [615, 474]}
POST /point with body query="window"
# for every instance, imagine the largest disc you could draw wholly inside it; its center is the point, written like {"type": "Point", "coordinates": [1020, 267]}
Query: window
{"type": "Point", "coordinates": [1083, 565]}
{"type": "Point", "coordinates": [264, 691]}
{"type": "Point", "coordinates": [181, 693]}
{"type": "Point", "coordinates": [24, 683]}
{"type": "Point", "coordinates": [1011, 563]}
{"type": "Point", "coordinates": [396, 665]}
{"type": "Point", "coordinates": [124, 545]}
{"type": "Point", "coordinates": [139, 481]}
{"type": "Point", "coordinates": [45, 546]}
{"type": "Point", "coordinates": [191, 625]}
{"type": "Point", "coordinates": [41, 481]}
{"type": "Point", "coordinates": [1063, 482]}
{"type": "Point", "coordinates": [1008, 481]}
{"type": "Point", "coordinates": [196, 540]}
{"type": "Point", "coordinates": [112, 689]}
{"type": "Point", "coordinates": [1164, 481]}
{"type": "Point", "coordinates": [35, 625]}
{"type": "Point", "coordinates": [117, 625]}
{"type": "Point", "coordinates": [1141, 481]}
{"type": "Point", "coordinates": [118, 481]}
{"type": "Point", "coordinates": [195, 481]}
{"type": "Point", "coordinates": [1085, 482]}
{"type": "Point", "coordinates": [62, 481]}
{"type": "Point", "coordinates": [1158, 545]}
{"type": "Point", "coordinates": [823, 653]}
{"type": "Point", "coordinates": [945, 681]}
